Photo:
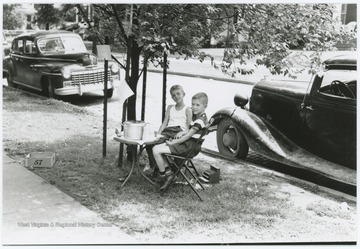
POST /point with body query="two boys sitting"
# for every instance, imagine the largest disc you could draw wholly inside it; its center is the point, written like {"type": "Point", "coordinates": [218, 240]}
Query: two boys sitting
{"type": "Point", "coordinates": [179, 126]}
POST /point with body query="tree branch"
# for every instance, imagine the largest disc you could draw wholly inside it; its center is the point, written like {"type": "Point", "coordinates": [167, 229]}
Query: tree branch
{"type": "Point", "coordinates": [101, 42]}
{"type": "Point", "coordinates": [83, 14]}
{"type": "Point", "coordinates": [112, 56]}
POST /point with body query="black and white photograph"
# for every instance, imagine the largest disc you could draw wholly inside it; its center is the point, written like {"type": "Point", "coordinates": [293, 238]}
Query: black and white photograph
{"type": "Point", "coordinates": [179, 123]}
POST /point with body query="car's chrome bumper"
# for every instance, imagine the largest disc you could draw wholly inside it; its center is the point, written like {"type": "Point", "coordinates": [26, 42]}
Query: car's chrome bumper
{"type": "Point", "coordinates": [80, 89]}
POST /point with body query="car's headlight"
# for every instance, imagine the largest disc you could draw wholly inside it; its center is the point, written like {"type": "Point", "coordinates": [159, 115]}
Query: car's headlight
{"type": "Point", "coordinates": [93, 60]}
{"type": "Point", "coordinates": [115, 68]}
{"type": "Point", "coordinates": [66, 73]}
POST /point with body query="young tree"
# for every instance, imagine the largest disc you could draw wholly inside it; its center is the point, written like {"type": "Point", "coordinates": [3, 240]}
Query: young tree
{"type": "Point", "coordinates": [153, 30]}
{"type": "Point", "coordinates": [11, 18]}
{"type": "Point", "coordinates": [150, 31]}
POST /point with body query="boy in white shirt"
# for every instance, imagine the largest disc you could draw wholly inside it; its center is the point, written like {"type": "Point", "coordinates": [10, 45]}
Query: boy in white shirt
{"type": "Point", "coordinates": [175, 124]}
{"type": "Point", "coordinates": [184, 144]}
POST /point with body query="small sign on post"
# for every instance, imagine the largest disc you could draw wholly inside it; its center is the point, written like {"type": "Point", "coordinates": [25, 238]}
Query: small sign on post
{"type": "Point", "coordinates": [103, 52]}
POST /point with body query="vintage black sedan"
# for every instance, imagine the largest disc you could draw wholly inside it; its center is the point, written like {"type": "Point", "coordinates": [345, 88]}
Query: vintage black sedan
{"type": "Point", "coordinates": [308, 125]}
{"type": "Point", "coordinates": [56, 63]}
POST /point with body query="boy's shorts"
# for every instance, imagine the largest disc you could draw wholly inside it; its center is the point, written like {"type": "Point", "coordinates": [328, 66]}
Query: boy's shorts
{"type": "Point", "coordinates": [184, 148]}
{"type": "Point", "coordinates": [170, 132]}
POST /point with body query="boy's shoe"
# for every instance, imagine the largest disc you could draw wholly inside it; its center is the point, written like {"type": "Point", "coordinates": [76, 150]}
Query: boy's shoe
{"type": "Point", "coordinates": [169, 178]}
{"type": "Point", "coordinates": [161, 178]}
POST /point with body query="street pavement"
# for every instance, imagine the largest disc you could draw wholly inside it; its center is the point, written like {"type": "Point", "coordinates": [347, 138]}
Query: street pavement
{"type": "Point", "coordinates": [37, 213]}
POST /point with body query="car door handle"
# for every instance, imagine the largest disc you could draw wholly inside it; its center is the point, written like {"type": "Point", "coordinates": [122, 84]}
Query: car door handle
{"type": "Point", "coordinates": [309, 107]}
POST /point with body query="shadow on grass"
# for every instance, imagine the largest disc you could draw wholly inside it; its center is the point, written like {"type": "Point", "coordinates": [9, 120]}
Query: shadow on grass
{"type": "Point", "coordinates": [24, 100]}
{"type": "Point", "coordinates": [33, 99]}
{"type": "Point", "coordinates": [242, 199]}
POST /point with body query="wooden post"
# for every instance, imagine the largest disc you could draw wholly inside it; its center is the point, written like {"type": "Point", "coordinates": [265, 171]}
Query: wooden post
{"type": "Point", "coordinates": [144, 90]}
{"type": "Point", "coordinates": [105, 108]}
{"type": "Point", "coordinates": [164, 87]}
{"type": "Point", "coordinates": [105, 100]}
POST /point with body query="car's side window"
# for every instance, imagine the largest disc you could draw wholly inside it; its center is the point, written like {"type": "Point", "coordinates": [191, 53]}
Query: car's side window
{"type": "Point", "coordinates": [19, 46]}
{"type": "Point", "coordinates": [30, 47]}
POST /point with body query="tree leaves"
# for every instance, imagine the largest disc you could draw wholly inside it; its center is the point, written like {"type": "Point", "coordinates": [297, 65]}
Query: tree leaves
{"type": "Point", "coordinates": [272, 29]}
{"type": "Point", "coordinates": [11, 18]}
{"type": "Point", "coordinates": [47, 15]}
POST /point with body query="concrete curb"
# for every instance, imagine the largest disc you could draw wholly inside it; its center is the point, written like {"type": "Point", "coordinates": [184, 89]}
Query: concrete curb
{"type": "Point", "coordinates": [170, 72]}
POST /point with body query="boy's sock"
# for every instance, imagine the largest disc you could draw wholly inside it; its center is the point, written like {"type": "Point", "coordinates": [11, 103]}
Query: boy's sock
{"type": "Point", "coordinates": [161, 177]}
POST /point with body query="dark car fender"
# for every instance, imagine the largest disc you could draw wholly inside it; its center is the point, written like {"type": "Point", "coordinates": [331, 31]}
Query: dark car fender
{"type": "Point", "coordinates": [266, 140]}
{"type": "Point", "coordinates": [7, 66]}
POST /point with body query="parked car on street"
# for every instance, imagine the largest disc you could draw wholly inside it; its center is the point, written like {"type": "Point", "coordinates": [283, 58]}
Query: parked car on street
{"type": "Point", "coordinates": [56, 63]}
{"type": "Point", "coordinates": [310, 125]}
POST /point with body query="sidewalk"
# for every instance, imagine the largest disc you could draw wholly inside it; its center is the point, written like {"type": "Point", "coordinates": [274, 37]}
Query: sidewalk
{"type": "Point", "coordinates": [36, 212]}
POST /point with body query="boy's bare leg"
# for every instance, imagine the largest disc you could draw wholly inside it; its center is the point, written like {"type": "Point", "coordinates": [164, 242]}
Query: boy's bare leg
{"type": "Point", "coordinates": [158, 152]}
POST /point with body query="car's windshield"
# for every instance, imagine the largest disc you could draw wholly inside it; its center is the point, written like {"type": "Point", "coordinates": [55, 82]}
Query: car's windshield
{"type": "Point", "coordinates": [340, 83]}
{"type": "Point", "coordinates": [66, 44]}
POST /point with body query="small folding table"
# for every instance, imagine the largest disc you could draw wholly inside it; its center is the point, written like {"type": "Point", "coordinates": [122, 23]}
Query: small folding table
{"type": "Point", "coordinates": [137, 147]}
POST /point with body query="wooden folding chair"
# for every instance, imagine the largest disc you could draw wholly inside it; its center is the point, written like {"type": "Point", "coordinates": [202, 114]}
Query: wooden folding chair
{"type": "Point", "coordinates": [185, 162]}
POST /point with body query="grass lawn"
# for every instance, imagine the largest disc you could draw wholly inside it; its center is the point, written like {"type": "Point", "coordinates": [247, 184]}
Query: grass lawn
{"type": "Point", "coordinates": [249, 205]}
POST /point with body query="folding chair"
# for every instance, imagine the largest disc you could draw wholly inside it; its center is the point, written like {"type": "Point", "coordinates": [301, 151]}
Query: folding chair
{"type": "Point", "coordinates": [185, 162]}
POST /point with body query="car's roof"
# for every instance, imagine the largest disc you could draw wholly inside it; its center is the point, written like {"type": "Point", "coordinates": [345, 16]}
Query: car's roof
{"type": "Point", "coordinates": [342, 60]}
{"type": "Point", "coordinates": [346, 62]}
{"type": "Point", "coordinates": [39, 33]}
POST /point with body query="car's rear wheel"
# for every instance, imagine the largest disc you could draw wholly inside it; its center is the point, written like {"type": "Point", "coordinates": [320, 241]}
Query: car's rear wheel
{"type": "Point", "coordinates": [230, 140]}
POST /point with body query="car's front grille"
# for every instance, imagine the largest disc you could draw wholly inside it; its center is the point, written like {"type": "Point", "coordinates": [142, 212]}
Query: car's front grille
{"type": "Point", "coordinates": [88, 77]}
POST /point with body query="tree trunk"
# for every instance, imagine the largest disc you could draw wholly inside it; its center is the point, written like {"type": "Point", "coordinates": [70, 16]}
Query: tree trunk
{"type": "Point", "coordinates": [135, 61]}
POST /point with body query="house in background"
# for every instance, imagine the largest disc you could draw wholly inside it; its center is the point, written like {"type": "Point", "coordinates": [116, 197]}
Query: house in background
{"type": "Point", "coordinates": [348, 13]}
{"type": "Point", "coordinates": [28, 13]}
